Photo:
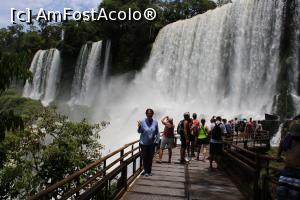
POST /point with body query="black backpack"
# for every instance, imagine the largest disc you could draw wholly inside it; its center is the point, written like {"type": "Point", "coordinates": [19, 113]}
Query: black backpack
{"type": "Point", "coordinates": [180, 128]}
{"type": "Point", "coordinates": [216, 133]}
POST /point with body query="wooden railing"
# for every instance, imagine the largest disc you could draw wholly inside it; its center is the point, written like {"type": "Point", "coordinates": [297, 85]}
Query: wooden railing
{"type": "Point", "coordinates": [261, 138]}
{"type": "Point", "coordinates": [107, 178]}
{"type": "Point", "coordinates": [249, 170]}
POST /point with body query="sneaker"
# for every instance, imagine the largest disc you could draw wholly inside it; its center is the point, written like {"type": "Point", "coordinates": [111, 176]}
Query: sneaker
{"type": "Point", "coordinates": [146, 174]}
{"type": "Point", "coordinates": [151, 174]}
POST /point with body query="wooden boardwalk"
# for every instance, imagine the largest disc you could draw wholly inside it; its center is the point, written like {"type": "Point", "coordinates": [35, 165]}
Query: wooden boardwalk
{"type": "Point", "coordinates": [176, 181]}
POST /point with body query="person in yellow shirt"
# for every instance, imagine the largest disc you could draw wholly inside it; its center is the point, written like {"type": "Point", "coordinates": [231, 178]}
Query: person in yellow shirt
{"type": "Point", "coordinates": [202, 139]}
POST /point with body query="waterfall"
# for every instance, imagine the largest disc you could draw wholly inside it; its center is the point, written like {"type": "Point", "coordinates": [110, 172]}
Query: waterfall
{"type": "Point", "coordinates": [89, 73]}
{"type": "Point", "coordinates": [223, 62]}
{"type": "Point", "coordinates": [277, 137]}
{"type": "Point", "coordinates": [45, 68]}
{"type": "Point", "coordinates": [106, 61]}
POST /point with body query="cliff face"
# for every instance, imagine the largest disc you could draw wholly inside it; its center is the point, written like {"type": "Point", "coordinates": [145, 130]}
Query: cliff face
{"type": "Point", "coordinates": [288, 88]}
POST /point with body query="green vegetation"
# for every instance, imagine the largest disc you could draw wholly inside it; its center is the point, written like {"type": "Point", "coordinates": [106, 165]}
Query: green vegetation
{"type": "Point", "coordinates": [275, 165]}
{"type": "Point", "coordinates": [38, 146]}
{"type": "Point", "coordinates": [131, 40]}
{"type": "Point", "coordinates": [45, 150]}
{"type": "Point", "coordinates": [19, 105]}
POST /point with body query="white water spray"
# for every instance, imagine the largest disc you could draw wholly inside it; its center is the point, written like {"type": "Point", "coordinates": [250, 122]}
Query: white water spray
{"type": "Point", "coordinates": [223, 62]}
{"type": "Point", "coordinates": [45, 68]}
{"type": "Point", "coordinates": [90, 73]}
{"type": "Point", "coordinates": [275, 141]}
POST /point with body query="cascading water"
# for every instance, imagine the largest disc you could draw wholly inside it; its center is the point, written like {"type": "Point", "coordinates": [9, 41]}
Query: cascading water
{"type": "Point", "coordinates": [89, 73]}
{"type": "Point", "coordinates": [222, 62]}
{"type": "Point", "coordinates": [106, 62]}
{"type": "Point", "coordinates": [275, 141]}
{"type": "Point", "coordinates": [45, 68]}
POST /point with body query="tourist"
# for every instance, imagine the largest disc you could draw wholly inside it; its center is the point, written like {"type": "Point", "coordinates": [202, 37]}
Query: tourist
{"type": "Point", "coordinates": [258, 128]}
{"type": "Point", "coordinates": [183, 129]}
{"type": "Point", "coordinates": [242, 127]}
{"type": "Point", "coordinates": [236, 126]}
{"type": "Point", "coordinates": [228, 127]}
{"type": "Point", "coordinates": [149, 135]}
{"type": "Point", "coordinates": [167, 141]}
{"type": "Point", "coordinates": [289, 181]}
{"type": "Point", "coordinates": [217, 132]}
{"type": "Point", "coordinates": [202, 139]}
{"type": "Point", "coordinates": [249, 128]}
{"type": "Point", "coordinates": [194, 131]}
{"type": "Point", "coordinates": [229, 132]}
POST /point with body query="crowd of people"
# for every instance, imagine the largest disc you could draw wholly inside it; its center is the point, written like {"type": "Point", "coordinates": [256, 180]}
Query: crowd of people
{"type": "Point", "coordinates": [196, 135]}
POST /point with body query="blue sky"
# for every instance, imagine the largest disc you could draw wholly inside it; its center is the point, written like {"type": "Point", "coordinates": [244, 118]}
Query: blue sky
{"type": "Point", "coordinates": [6, 5]}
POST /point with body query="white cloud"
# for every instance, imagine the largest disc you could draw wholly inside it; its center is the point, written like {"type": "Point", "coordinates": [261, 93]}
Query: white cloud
{"type": "Point", "coordinates": [46, 4]}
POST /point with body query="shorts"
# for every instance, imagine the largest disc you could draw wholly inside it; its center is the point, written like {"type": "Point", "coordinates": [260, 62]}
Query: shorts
{"type": "Point", "coordinates": [183, 142]}
{"type": "Point", "coordinates": [167, 143]}
{"type": "Point", "coordinates": [202, 141]}
{"type": "Point", "coordinates": [215, 148]}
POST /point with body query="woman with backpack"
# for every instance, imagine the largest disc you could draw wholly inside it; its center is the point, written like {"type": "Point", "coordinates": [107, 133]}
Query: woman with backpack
{"type": "Point", "coordinates": [202, 139]}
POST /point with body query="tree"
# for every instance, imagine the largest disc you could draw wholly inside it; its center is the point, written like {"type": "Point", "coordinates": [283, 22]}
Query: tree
{"type": "Point", "coordinates": [49, 148]}
{"type": "Point", "coordinates": [12, 67]}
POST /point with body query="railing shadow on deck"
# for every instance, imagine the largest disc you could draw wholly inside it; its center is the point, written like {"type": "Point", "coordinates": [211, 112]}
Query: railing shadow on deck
{"type": "Point", "coordinates": [107, 178]}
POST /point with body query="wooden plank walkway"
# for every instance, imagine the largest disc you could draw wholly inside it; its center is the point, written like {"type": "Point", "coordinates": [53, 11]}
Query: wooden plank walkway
{"type": "Point", "coordinates": [176, 181]}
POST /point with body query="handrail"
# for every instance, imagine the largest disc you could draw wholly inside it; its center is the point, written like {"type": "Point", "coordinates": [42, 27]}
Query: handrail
{"type": "Point", "coordinates": [96, 163]}
{"type": "Point", "coordinates": [256, 168]}
{"type": "Point", "coordinates": [240, 148]}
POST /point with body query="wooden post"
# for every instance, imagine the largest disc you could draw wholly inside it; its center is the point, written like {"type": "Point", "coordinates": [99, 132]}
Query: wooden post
{"type": "Point", "coordinates": [124, 171]}
{"type": "Point", "coordinates": [104, 166]}
{"type": "Point", "coordinates": [256, 178]}
{"type": "Point", "coordinates": [141, 158]}
{"type": "Point", "coordinates": [77, 185]}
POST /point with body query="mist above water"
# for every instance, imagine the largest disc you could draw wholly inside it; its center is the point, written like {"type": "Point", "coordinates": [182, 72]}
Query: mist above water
{"type": "Point", "coordinates": [223, 62]}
